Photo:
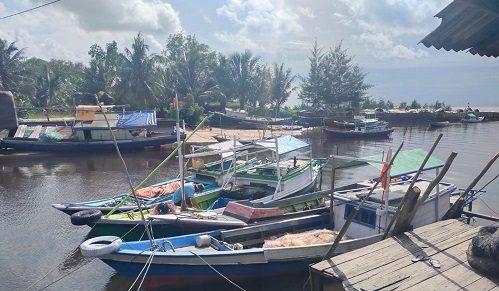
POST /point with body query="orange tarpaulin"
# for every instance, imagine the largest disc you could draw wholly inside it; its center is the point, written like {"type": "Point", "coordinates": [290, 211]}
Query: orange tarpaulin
{"type": "Point", "coordinates": [149, 192]}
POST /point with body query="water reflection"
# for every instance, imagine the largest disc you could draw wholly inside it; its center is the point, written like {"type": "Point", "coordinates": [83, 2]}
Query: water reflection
{"type": "Point", "coordinates": [41, 238]}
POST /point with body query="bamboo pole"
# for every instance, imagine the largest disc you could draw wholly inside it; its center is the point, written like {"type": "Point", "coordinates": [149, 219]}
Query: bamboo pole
{"type": "Point", "coordinates": [157, 168]}
{"type": "Point", "coordinates": [457, 205]}
{"type": "Point", "coordinates": [333, 178]}
{"type": "Point", "coordinates": [414, 179]}
{"type": "Point", "coordinates": [354, 212]}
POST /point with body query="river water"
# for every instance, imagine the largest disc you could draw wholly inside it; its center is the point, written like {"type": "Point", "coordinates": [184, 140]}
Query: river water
{"type": "Point", "coordinates": [39, 245]}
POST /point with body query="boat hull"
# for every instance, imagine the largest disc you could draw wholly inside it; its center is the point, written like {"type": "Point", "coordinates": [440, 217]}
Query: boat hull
{"type": "Point", "coordinates": [56, 146]}
{"type": "Point", "coordinates": [226, 121]}
{"type": "Point", "coordinates": [357, 134]}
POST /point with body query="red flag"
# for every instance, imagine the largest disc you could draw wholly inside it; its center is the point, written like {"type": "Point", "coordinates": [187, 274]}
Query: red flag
{"type": "Point", "coordinates": [177, 108]}
{"type": "Point", "coordinates": [385, 178]}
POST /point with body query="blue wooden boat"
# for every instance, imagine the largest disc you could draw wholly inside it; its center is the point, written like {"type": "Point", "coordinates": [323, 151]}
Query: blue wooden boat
{"type": "Point", "coordinates": [129, 204]}
{"type": "Point", "coordinates": [276, 248]}
{"type": "Point", "coordinates": [90, 132]}
{"type": "Point", "coordinates": [251, 252]}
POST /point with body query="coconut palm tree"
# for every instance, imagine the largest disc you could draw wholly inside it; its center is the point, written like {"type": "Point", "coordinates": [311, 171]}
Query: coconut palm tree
{"type": "Point", "coordinates": [137, 75]}
{"type": "Point", "coordinates": [281, 85]}
{"type": "Point", "coordinates": [11, 58]}
{"type": "Point", "coordinates": [192, 64]}
{"type": "Point", "coordinates": [243, 76]}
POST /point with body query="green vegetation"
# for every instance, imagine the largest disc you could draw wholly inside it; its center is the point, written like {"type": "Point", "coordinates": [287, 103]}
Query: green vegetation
{"type": "Point", "coordinates": [203, 80]}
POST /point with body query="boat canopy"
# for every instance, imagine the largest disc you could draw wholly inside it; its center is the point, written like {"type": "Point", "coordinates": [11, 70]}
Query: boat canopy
{"type": "Point", "coordinates": [406, 162]}
{"type": "Point", "coordinates": [137, 119]}
{"type": "Point", "coordinates": [285, 144]}
{"type": "Point", "coordinates": [224, 148]}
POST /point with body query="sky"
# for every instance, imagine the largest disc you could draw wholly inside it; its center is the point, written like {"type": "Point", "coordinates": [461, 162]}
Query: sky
{"type": "Point", "coordinates": [382, 36]}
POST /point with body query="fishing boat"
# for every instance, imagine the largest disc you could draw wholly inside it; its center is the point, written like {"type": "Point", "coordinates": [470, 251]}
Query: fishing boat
{"type": "Point", "coordinates": [439, 123]}
{"type": "Point", "coordinates": [272, 249]}
{"type": "Point", "coordinates": [372, 131]}
{"type": "Point", "coordinates": [472, 118]}
{"type": "Point", "coordinates": [241, 119]}
{"type": "Point", "coordinates": [95, 128]}
{"type": "Point", "coordinates": [213, 176]}
{"type": "Point", "coordinates": [366, 118]}
{"type": "Point", "coordinates": [243, 213]}
{"type": "Point", "coordinates": [222, 137]}
{"type": "Point", "coordinates": [262, 182]}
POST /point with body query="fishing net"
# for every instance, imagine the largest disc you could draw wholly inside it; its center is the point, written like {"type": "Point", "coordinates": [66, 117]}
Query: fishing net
{"type": "Point", "coordinates": [50, 136]}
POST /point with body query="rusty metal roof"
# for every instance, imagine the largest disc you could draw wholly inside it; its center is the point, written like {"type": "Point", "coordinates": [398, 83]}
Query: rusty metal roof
{"type": "Point", "coordinates": [471, 25]}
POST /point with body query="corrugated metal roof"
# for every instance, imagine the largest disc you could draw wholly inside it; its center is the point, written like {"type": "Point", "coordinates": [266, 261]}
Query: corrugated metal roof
{"type": "Point", "coordinates": [471, 25]}
{"type": "Point", "coordinates": [286, 144]}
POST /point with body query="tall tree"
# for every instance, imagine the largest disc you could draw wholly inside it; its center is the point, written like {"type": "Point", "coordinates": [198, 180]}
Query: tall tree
{"type": "Point", "coordinates": [192, 64]}
{"type": "Point", "coordinates": [281, 86]}
{"type": "Point", "coordinates": [11, 58]}
{"type": "Point", "coordinates": [243, 76]}
{"type": "Point", "coordinates": [102, 74]}
{"type": "Point", "coordinates": [45, 82]}
{"type": "Point", "coordinates": [343, 81]}
{"type": "Point", "coordinates": [136, 75]}
{"type": "Point", "coordinates": [333, 80]}
{"type": "Point", "coordinates": [312, 87]}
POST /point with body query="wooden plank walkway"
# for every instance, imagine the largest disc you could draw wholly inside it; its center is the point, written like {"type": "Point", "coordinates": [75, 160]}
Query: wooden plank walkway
{"type": "Point", "coordinates": [36, 132]}
{"type": "Point", "coordinates": [20, 130]}
{"type": "Point", "coordinates": [387, 265]}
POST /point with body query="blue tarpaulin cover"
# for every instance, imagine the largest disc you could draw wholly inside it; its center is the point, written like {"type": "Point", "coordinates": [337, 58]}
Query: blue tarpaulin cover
{"type": "Point", "coordinates": [285, 144]}
{"type": "Point", "coordinates": [136, 119]}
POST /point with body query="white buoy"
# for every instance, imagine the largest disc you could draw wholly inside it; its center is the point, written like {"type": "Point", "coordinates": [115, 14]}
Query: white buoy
{"type": "Point", "coordinates": [203, 240]}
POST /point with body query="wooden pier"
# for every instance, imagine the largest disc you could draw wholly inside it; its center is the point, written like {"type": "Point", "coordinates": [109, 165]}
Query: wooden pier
{"type": "Point", "coordinates": [388, 265]}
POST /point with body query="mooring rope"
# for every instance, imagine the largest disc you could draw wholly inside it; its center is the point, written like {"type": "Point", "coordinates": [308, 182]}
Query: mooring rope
{"type": "Point", "coordinates": [58, 265]}
{"type": "Point", "coordinates": [227, 279]}
{"type": "Point", "coordinates": [146, 268]}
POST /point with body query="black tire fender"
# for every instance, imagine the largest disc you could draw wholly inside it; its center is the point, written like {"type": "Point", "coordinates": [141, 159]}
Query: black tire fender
{"type": "Point", "coordinates": [85, 216]}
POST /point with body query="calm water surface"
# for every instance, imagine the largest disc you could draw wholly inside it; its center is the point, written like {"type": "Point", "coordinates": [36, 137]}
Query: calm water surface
{"type": "Point", "coordinates": [39, 245]}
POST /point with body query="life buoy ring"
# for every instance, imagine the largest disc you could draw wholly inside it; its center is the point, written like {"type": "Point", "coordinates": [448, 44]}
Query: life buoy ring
{"type": "Point", "coordinates": [99, 246]}
{"type": "Point", "coordinates": [85, 216]}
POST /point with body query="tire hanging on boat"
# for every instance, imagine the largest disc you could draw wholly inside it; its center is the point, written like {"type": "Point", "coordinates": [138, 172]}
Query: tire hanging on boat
{"type": "Point", "coordinates": [85, 216]}
{"type": "Point", "coordinates": [101, 245]}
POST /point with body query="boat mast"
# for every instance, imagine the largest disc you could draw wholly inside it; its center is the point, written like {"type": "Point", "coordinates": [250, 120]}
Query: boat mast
{"type": "Point", "coordinates": [180, 152]}
{"type": "Point", "coordinates": [386, 191]}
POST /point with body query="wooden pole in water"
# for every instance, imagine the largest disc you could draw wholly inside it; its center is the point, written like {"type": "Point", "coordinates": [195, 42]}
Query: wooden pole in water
{"type": "Point", "coordinates": [403, 223]}
{"type": "Point", "coordinates": [354, 211]}
{"type": "Point", "coordinates": [414, 179]}
{"type": "Point", "coordinates": [459, 202]}
{"type": "Point", "coordinates": [333, 177]}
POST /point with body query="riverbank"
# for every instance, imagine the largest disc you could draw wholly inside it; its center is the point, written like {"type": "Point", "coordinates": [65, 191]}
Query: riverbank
{"type": "Point", "coordinates": [207, 135]}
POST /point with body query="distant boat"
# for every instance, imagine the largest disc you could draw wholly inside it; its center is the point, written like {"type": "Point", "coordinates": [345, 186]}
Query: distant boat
{"type": "Point", "coordinates": [291, 127]}
{"type": "Point", "coordinates": [90, 131]}
{"type": "Point", "coordinates": [367, 118]}
{"type": "Point", "coordinates": [377, 131]}
{"type": "Point", "coordinates": [439, 123]}
{"type": "Point", "coordinates": [472, 118]}
{"type": "Point", "coordinates": [241, 119]}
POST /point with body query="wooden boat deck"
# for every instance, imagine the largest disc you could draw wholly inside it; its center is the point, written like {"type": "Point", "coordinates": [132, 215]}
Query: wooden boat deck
{"type": "Point", "coordinates": [388, 264]}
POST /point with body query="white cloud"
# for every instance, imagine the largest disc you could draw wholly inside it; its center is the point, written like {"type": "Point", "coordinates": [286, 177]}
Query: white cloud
{"type": "Point", "coordinates": [307, 11]}
{"type": "Point", "coordinates": [382, 36]}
